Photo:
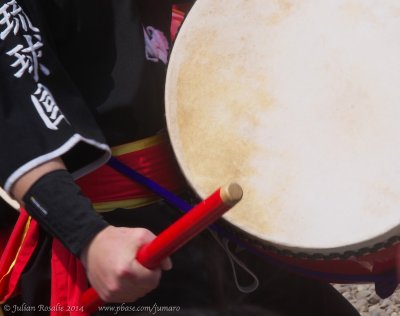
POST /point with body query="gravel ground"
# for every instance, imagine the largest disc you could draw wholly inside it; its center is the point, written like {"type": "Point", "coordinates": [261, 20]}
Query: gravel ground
{"type": "Point", "coordinates": [363, 297]}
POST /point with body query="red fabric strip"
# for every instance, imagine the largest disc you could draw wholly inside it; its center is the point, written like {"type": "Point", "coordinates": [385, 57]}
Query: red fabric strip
{"type": "Point", "coordinates": [156, 162]}
{"type": "Point", "coordinates": [19, 249]}
{"type": "Point", "coordinates": [68, 282]}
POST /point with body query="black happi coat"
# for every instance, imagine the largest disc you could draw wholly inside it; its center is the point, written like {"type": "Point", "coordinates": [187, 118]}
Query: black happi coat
{"type": "Point", "coordinates": [70, 66]}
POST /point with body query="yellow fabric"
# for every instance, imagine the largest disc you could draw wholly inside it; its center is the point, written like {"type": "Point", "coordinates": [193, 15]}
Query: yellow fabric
{"type": "Point", "coordinates": [1, 312]}
{"type": "Point", "coordinates": [28, 222]}
{"type": "Point", "coordinates": [125, 204]}
{"type": "Point", "coordinates": [138, 145]}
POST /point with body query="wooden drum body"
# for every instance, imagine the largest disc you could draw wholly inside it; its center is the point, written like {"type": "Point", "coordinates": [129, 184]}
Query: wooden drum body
{"type": "Point", "coordinates": [299, 102]}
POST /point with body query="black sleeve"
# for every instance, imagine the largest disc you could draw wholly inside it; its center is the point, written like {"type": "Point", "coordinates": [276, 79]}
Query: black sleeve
{"type": "Point", "coordinates": [42, 115]}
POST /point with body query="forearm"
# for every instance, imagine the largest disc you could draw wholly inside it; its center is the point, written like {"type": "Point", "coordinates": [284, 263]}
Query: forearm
{"type": "Point", "coordinates": [24, 183]}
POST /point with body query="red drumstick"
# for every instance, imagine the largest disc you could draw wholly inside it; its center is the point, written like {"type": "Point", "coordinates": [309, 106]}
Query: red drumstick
{"type": "Point", "coordinates": [179, 233]}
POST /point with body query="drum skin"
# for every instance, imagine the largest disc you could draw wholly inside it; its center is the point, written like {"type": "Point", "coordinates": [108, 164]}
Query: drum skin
{"type": "Point", "coordinates": [297, 101]}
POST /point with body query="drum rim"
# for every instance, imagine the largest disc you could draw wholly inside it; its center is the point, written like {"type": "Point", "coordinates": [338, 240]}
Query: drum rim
{"type": "Point", "coordinates": [343, 253]}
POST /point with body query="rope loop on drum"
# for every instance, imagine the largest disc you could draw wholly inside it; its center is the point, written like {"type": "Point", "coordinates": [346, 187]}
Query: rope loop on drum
{"type": "Point", "coordinates": [236, 262]}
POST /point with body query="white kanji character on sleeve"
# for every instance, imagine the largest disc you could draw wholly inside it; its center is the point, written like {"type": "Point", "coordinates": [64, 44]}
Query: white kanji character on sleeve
{"type": "Point", "coordinates": [47, 107]}
{"type": "Point", "coordinates": [27, 58]}
{"type": "Point", "coordinates": [13, 18]}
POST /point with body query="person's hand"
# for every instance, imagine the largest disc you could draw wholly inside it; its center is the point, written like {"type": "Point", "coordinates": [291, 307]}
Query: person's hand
{"type": "Point", "coordinates": [111, 266]}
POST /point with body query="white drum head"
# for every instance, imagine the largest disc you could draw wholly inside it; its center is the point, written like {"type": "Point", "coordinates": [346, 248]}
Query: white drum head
{"type": "Point", "coordinates": [299, 102]}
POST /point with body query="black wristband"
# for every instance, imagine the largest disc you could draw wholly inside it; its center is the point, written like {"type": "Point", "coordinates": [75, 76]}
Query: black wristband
{"type": "Point", "coordinates": [56, 203]}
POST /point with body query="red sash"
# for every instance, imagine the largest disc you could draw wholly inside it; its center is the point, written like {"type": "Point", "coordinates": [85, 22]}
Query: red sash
{"type": "Point", "coordinates": [152, 157]}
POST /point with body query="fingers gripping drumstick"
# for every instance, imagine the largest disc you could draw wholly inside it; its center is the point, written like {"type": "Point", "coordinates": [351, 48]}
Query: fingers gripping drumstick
{"type": "Point", "coordinates": [179, 233]}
